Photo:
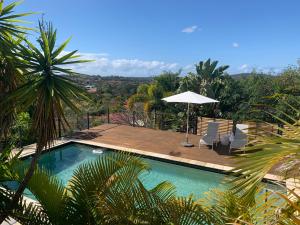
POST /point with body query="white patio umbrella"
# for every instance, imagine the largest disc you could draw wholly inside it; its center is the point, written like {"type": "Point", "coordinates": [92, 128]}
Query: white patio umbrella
{"type": "Point", "coordinates": [189, 98]}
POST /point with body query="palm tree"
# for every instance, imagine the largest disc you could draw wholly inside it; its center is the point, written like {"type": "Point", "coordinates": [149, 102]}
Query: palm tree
{"type": "Point", "coordinates": [109, 191]}
{"type": "Point", "coordinates": [208, 80]}
{"type": "Point", "coordinates": [46, 91]}
{"type": "Point", "coordinates": [23, 208]}
{"type": "Point", "coordinates": [150, 96]}
{"type": "Point", "coordinates": [272, 152]}
{"type": "Point", "coordinates": [211, 81]}
{"type": "Point", "coordinates": [9, 25]}
{"type": "Point", "coordinates": [209, 75]}
{"type": "Point", "coordinates": [10, 77]}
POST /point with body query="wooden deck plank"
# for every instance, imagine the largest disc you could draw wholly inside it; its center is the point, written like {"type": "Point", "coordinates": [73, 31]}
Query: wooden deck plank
{"type": "Point", "coordinates": [163, 142]}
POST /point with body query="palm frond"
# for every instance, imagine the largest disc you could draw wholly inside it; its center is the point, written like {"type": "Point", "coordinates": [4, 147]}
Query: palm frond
{"type": "Point", "coordinates": [268, 153]}
{"type": "Point", "coordinates": [9, 25]}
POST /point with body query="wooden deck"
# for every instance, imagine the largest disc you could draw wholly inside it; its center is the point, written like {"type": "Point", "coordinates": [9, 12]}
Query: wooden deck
{"type": "Point", "coordinates": [157, 141]}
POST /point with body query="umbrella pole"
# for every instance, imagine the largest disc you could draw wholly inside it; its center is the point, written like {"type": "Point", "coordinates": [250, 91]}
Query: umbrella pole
{"type": "Point", "coordinates": [186, 143]}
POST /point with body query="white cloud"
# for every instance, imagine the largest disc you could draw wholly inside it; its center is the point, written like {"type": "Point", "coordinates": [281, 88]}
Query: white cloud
{"type": "Point", "coordinates": [235, 45]}
{"type": "Point", "coordinates": [188, 68]}
{"type": "Point", "coordinates": [190, 29]}
{"type": "Point", "coordinates": [103, 65]}
{"type": "Point", "coordinates": [244, 68]}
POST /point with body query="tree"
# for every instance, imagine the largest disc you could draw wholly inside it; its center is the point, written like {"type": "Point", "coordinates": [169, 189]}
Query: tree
{"type": "Point", "coordinates": [289, 81]}
{"type": "Point", "coordinates": [191, 82]}
{"type": "Point", "coordinates": [155, 94]}
{"type": "Point", "coordinates": [257, 90]}
{"type": "Point", "coordinates": [46, 91]}
{"type": "Point", "coordinates": [231, 95]}
{"type": "Point", "coordinates": [168, 81]}
{"type": "Point", "coordinates": [10, 36]}
{"type": "Point", "coordinates": [267, 152]}
{"type": "Point", "coordinates": [20, 131]}
{"type": "Point", "coordinates": [209, 80]}
{"type": "Point", "coordinates": [109, 191]}
{"type": "Point", "coordinates": [210, 75]}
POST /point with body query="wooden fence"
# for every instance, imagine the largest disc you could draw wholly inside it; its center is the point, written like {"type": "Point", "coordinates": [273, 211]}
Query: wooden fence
{"type": "Point", "coordinates": [226, 126]}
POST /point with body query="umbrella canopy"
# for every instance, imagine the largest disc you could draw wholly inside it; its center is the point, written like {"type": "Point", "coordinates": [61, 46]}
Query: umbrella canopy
{"type": "Point", "coordinates": [189, 98]}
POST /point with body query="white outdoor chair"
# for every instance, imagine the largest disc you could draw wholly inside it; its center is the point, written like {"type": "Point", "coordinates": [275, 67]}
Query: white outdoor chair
{"type": "Point", "coordinates": [211, 135]}
{"type": "Point", "coordinates": [239, 139]}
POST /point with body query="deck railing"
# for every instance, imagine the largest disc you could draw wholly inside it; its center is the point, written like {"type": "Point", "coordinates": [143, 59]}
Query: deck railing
{"type": "Point", "coordinates": [159, 120]}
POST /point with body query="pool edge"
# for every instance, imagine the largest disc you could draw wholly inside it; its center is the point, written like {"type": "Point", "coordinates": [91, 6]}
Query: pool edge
{"type": "Point", "coordinates": [29, 150]}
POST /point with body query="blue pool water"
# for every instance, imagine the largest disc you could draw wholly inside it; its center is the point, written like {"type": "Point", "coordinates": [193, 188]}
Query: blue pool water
{"type": "Point", "coordinates": [64, 160]}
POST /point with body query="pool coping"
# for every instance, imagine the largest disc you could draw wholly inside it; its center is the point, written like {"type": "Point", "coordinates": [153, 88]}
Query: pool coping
{"type": "Point", "coordinates": [177, 160]}
{"type": "Point", "coordinates": [27, 151]}
{"type": "Point", "coordinates": [30, 149]}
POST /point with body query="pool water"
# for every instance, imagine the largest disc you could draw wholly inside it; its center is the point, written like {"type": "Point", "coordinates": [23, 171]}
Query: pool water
{"type": "Point", "coordinates": [62, 161]}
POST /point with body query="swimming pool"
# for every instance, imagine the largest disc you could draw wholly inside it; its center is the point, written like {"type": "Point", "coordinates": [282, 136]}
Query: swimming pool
{"type": "Point", "coordinates": [62, 161]}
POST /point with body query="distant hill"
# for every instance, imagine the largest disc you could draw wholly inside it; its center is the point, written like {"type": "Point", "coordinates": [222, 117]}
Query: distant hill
{"type": "Point", "coordinates": [119, 86]}
{"type": "Point", "coordinates": [113, 85]}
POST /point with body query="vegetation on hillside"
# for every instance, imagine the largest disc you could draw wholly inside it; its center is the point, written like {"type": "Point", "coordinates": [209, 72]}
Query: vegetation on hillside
{"type": "Point", "coordinates": [238, 96]}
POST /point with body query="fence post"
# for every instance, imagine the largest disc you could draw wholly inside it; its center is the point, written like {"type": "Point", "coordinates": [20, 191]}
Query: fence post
{"type": "Point", "coordinates": [88, 120]}
{"type": "Point", "coordinates": [154, 119]}
{"type": "Point", "coordinates": [133, 118]}
{"type": "Point", "coordinates": [162, 124]}
{"type": "Point", "coordinates": [108, 119]}
{"type": "Point", "coordinates": [196, 124]}
{"type": "Point", "coordinates": [201, 126]}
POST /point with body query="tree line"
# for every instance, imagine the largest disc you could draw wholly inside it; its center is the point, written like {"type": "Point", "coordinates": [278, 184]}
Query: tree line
{"type": "Point", "coordinates": [240, 98]}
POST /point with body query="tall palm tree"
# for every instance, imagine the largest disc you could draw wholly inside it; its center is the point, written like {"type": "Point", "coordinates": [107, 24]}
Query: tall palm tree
{"type": "Point", "coordinates": [10, 77]}
{"type": "Point", "coordinates": [209, 75]}
{"type": "Point", "coordinates": [46, 91]}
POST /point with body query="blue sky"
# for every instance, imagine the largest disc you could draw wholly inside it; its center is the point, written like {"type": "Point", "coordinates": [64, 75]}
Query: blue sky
{"type": "Point", "coordinates": [144, 37]}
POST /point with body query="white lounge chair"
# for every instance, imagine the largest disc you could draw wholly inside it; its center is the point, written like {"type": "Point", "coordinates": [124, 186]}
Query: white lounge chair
{"type": "Point", "coordinates": [239, 139]}
{"type": "Point", "coordinates": [211, 135]}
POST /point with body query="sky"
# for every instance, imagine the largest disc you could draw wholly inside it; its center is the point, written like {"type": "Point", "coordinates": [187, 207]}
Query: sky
{"type": "Point", "coordinates": [146, 37]}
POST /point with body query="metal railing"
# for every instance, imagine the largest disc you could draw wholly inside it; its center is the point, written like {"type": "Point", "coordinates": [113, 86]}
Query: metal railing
{"type": "Point", "coordinates": [154, 120]}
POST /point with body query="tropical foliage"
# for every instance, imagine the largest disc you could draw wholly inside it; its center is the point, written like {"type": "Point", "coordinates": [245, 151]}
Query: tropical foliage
{"type": "Point", "coordinates": [107, 191]}
{"type": "Point", "coordinates": [238, 95]}
{"type": "Point", "coordinates": [279, 154]}
{"type": "Point", "coordinates": [10, 36]}
{"type": "Point", "coordinates": [31, 81]}
{"type": "Point", "coordinates": [35, 91]}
